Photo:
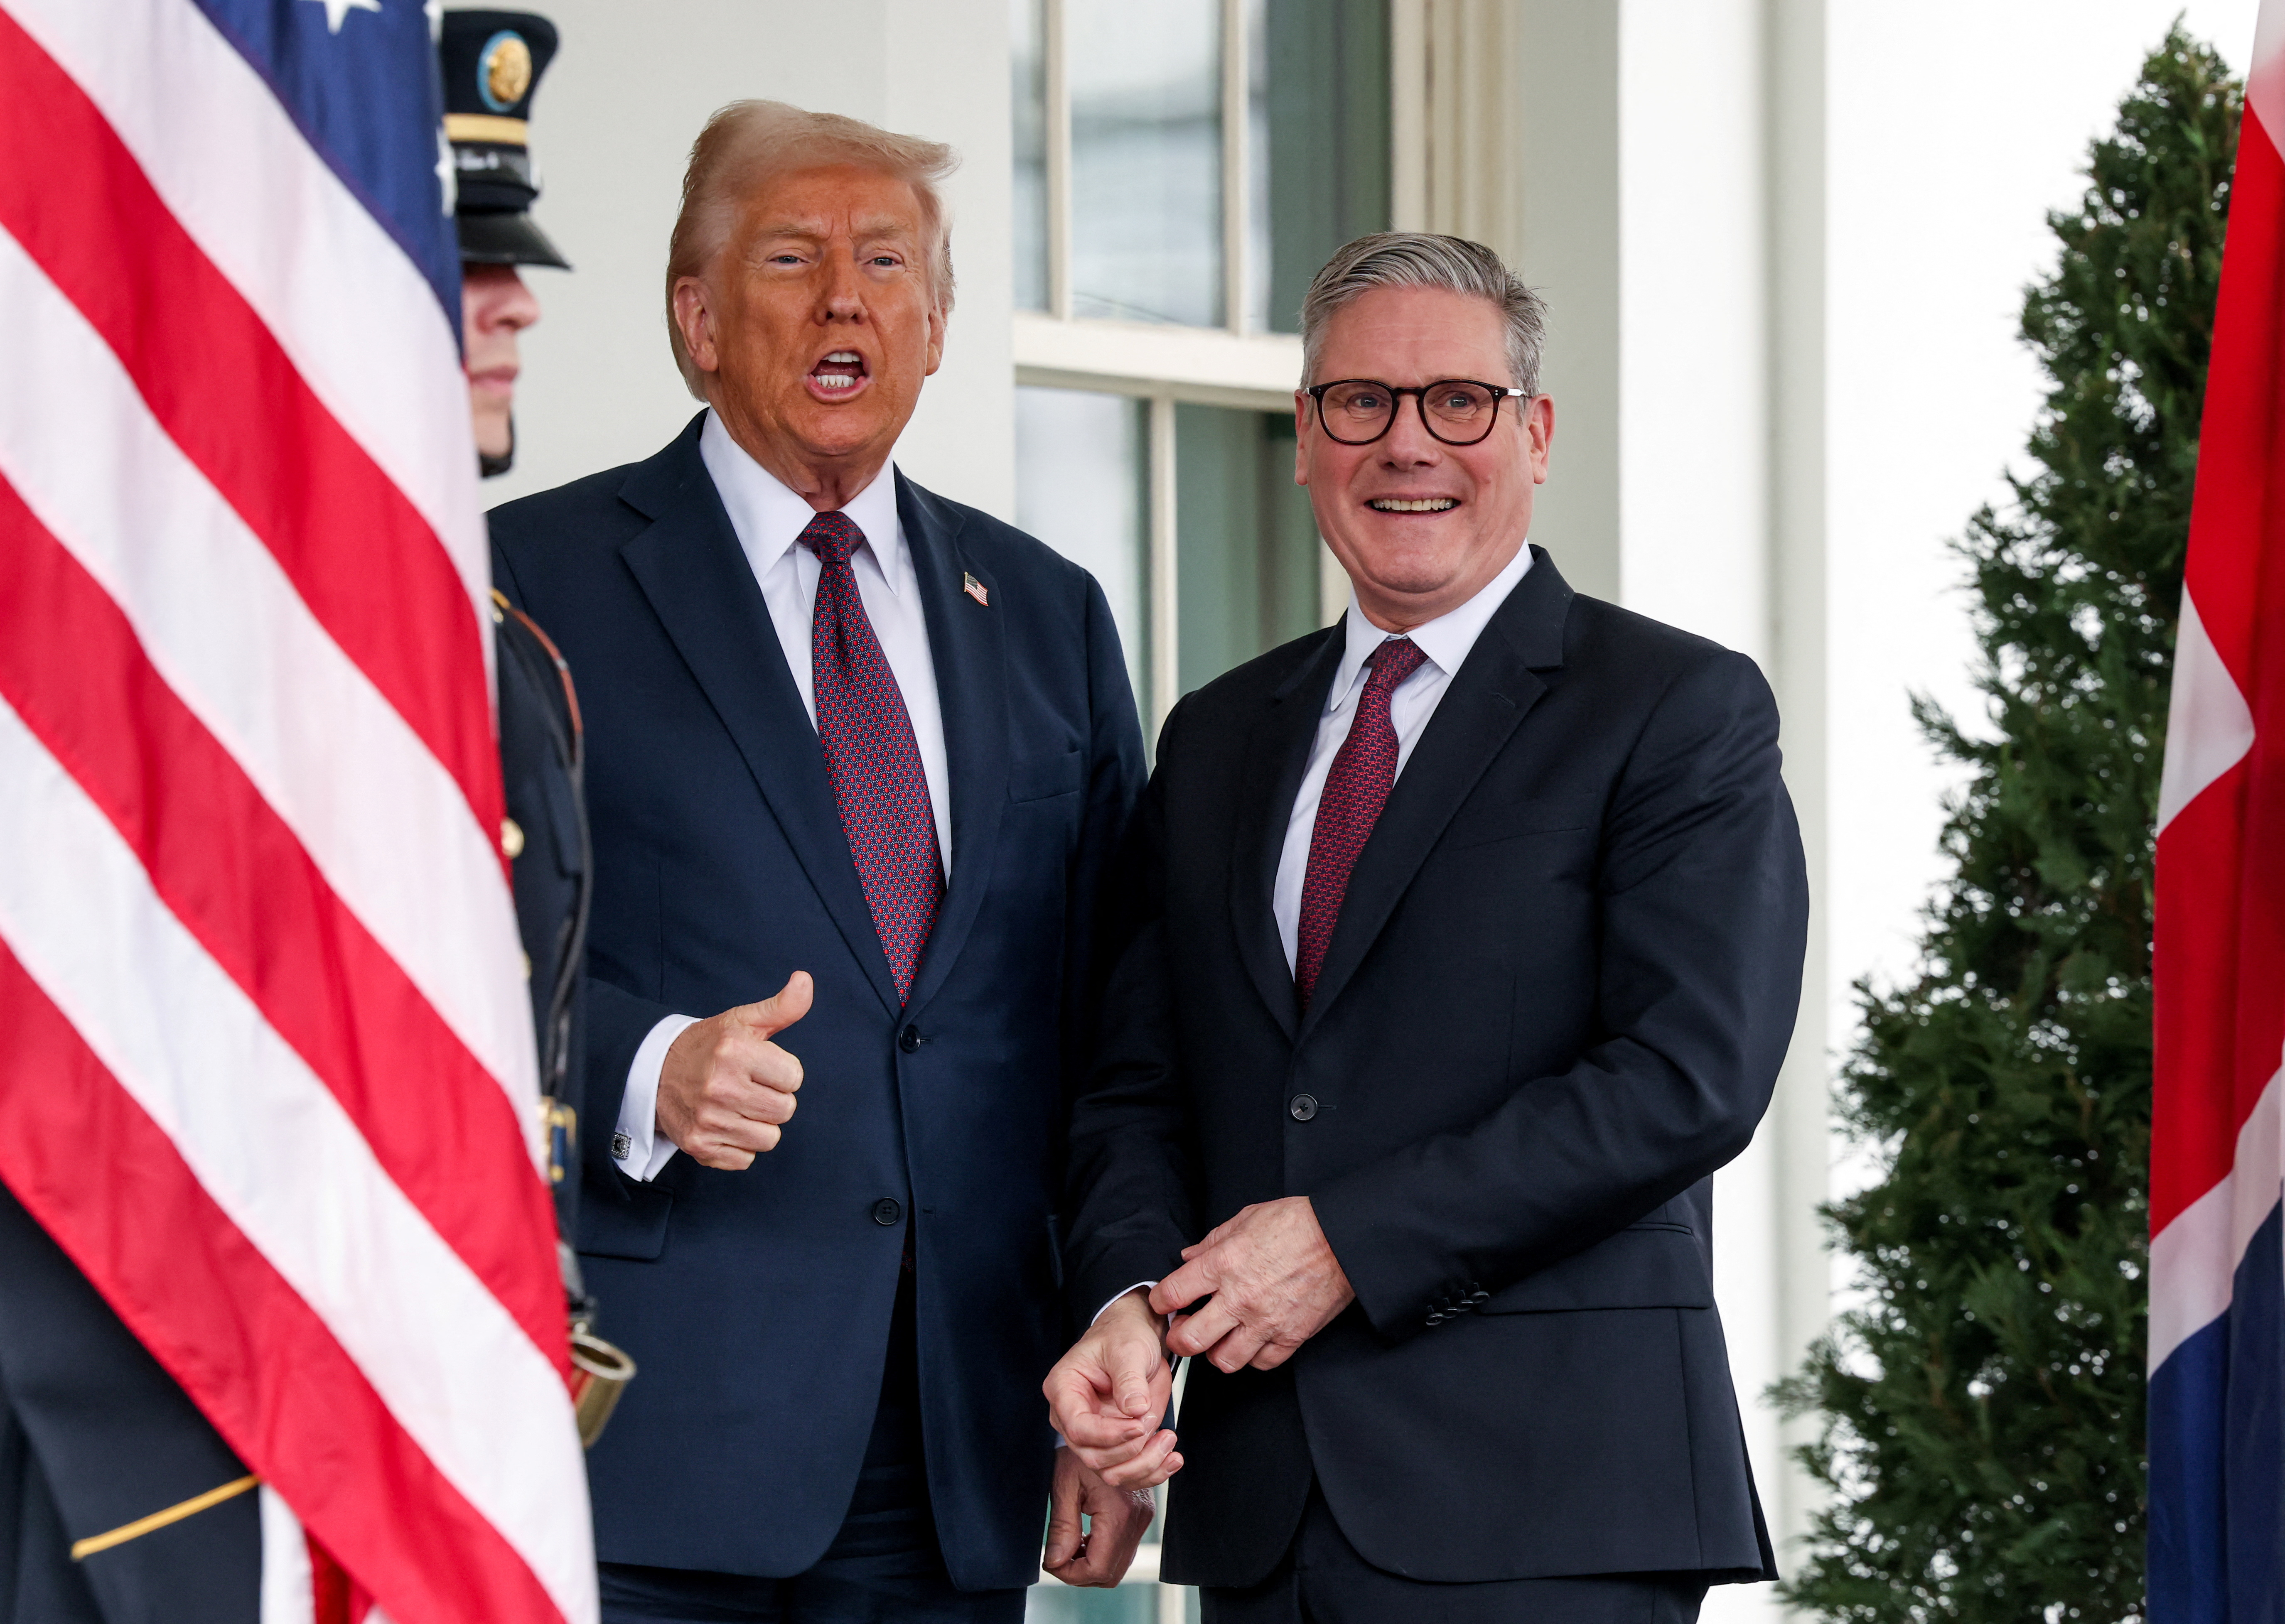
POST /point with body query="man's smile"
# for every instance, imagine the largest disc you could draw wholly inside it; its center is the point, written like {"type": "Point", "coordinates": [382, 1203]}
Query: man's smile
{"type": "Point", "coordinates": [1412, 505]}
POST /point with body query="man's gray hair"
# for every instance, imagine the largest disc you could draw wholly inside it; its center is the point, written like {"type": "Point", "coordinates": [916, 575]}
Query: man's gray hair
{"type": "Point", "coordinates": [1422, 259]}
{"type": "Point", "coordinates": [748, 143]}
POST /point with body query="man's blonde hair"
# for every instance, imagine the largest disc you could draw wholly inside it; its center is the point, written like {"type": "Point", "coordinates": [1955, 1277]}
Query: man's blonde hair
{"type": "Point", "coordinates": [748, 143]}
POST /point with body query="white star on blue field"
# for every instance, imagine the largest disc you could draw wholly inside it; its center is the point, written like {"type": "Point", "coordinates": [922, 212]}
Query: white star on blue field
{"type": "Point", "coordinates": [337, 10]}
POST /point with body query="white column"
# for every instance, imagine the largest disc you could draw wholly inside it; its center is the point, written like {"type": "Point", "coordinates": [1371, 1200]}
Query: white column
{"type": "Point", "coordinates": [1801, 1124]}
{"type": "Point", "coordinates": [1672, 174]}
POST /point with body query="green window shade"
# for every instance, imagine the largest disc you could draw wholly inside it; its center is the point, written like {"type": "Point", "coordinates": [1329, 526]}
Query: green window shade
{"type": "Point", "coordinates": [1246, 570]}
{"type": "Point", "coordinates": [1321, 111]}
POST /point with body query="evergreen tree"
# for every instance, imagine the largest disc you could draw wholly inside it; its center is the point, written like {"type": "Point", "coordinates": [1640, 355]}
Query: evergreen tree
{"type": "Point", "coordinates": [1982, 1411]}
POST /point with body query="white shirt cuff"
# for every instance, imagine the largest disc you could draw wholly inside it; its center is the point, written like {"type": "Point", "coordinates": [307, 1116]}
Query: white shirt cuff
{"type": "Point", "coordinates": [637, 1146]}
{"type": "Point", "coordinates": [1140, 1285]}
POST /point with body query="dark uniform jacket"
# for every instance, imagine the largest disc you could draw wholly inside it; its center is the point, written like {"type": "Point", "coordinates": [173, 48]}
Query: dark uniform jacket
{"type": "Point", "coordinates": [94, 1434]}
{"type": "Point", "coordinates": [541, 754]}
{"type": "Point", "coordinates": [1555, 1000]}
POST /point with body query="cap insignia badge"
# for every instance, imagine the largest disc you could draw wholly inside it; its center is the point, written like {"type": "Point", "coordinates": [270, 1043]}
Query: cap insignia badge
{"type": "Point", "coordinates": [504, 70]}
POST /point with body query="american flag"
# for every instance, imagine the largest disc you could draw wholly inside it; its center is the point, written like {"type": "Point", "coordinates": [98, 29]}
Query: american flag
{"type": "Point", "coordinates": [266, 1064]}
{"type": "Point", "coordinates": [2218, 1133]}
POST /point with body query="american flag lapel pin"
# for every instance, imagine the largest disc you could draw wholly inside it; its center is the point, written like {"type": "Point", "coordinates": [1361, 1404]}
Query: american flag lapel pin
{"type": "Point", "coordinates": [974, 588]}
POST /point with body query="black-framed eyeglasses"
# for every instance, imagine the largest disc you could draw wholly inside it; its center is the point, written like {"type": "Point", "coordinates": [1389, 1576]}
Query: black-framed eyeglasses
{"type": "Point", "coordinates": [1457, 410]}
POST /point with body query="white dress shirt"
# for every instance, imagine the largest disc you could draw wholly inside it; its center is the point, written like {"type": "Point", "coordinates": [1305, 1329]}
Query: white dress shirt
{"type": "Point", "coordinates": [768, 520]}
{"type": "Point", "coordinates": [1446, 641]}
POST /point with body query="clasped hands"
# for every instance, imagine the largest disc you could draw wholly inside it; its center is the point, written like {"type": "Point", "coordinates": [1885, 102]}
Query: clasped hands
{"type": "Point", "coordinates": [1251, 1293]}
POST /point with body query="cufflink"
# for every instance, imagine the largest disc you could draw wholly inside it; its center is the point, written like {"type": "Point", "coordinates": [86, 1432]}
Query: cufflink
{"type": "Point", "coordinates": [622, 1147]}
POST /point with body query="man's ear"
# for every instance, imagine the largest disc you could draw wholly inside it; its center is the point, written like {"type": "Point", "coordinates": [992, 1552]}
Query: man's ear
{"type": "Point", "coordinates": [695, 323]}
{"type": "Point", "coordinates": [935, 339]}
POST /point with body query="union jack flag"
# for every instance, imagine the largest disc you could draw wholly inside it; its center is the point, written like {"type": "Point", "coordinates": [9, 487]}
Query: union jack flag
{"type": "Point", "coordinates": [266, 1064]}
{"type": "Point", "coordinates": [2217, 1132]}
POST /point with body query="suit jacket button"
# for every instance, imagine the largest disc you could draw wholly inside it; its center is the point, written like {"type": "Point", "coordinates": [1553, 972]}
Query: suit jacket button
{"type": "Point", "coordinates": [886, 1212]}
{"type": "Point", "coordinates": [1479, 1296]}
{"type": "Point", "coordinates": [1435, 1319]}
{"type": "Point", "coordinates": [909, 1040]}
{"type": "Point", "coordinates": [1304, 1107]}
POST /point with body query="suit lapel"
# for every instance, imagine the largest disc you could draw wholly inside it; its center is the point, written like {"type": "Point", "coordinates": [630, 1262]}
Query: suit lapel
{"type": "Point", "coordinates": [689, 565]}
{"type": "Point", "coordinates": [1494, 687]}
{"type": "Point", "coordinates": [968, 645]}
{"type": "Point", "coordinates": [1277, 755]}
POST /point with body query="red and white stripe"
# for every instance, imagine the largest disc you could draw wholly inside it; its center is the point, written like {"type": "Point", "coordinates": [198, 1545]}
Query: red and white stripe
{"type": "Point", "coordinates": [265, 1040]}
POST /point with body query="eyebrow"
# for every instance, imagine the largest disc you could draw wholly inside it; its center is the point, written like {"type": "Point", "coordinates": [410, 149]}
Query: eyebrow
{"type": "Point", "coordinates": [885, 225]}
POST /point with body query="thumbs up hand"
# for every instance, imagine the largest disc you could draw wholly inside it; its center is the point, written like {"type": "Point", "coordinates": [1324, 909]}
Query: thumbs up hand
{"type": "Point", "coordinates": [727, 1091]}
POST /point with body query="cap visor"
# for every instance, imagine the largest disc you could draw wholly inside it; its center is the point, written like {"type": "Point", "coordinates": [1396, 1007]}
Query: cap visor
{"type": "Point", "coordinates": [507, 239]}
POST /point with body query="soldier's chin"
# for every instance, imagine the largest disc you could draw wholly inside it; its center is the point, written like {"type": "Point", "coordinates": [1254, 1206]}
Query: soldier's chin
{"type": "Point", "coordinates": [490, 466]}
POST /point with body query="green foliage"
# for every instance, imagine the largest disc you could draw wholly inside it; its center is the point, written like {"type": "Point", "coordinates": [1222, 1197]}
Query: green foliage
{"type": "Point", "coordinates": [1982, 1410]}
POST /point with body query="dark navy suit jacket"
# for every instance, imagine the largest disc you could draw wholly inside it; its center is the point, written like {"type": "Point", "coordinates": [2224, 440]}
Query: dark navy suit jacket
{"type": "Point", "coordinates": [1555, 1000]}
{"type": "Point", "coordinates": [757, 1302]}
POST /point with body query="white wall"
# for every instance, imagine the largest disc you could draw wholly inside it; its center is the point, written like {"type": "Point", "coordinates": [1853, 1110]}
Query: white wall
{"type": "Point", "coordinates": [612, 128]}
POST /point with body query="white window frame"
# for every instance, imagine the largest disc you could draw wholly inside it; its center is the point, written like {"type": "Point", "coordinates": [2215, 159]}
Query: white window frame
{"type": "Point", "coordinates": [1232, 365]}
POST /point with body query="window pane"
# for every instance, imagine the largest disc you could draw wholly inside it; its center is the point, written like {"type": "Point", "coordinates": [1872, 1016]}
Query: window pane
{"type": "Point", "coordinates": [1051, 1603]}
{"type": "Point", "coordinates": [1247, 574]}
{"type": "Point", "coordinates": [1324, 97]}
{"type": "Point", "coordinates": [1079, 487]}
{"type": "Point", "coordinates": [1027, 31]}
{"type": "Point", "coordinates": [1146, 159]}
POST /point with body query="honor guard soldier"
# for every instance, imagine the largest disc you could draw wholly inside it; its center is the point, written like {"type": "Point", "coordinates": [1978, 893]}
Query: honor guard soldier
{"type": "Point", "coordinates": [118, 1502]}
{"type": "Point", "coordinates": [492, 63]}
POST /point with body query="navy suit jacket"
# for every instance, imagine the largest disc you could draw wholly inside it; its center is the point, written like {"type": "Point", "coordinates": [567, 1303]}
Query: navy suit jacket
{"type": "Point", "coordinates": [1556, 998]}
{"type": "Point", "coordinates": [757, 1302]}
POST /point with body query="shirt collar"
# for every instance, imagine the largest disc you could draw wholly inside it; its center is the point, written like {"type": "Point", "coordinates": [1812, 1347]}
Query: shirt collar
{"type": "Point", "coordinates": [1445, 640]}
{"type": "Point", "coordinates": [769, 518]}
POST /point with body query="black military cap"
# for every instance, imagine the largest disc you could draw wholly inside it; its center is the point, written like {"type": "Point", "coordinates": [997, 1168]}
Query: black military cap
{"type": "Point", "coordinates": [492, 63]}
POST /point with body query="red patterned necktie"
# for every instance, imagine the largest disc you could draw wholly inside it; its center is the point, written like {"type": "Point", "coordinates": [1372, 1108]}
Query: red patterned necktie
{"type": "Point", "coordinates": [1356, 791]}
{"type": "Point", "coordinates": [873, 758]}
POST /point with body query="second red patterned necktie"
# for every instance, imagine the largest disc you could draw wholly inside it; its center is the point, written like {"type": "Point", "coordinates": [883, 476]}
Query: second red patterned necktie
{"type": "Point", "coordinates": [1356, 791]}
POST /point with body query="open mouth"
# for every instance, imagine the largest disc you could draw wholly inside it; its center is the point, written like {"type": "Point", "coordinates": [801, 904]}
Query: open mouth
{"type": "Point", "coordinates": [1412, 505]}
{"type": "Point", "coordinates": [839, 374]}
